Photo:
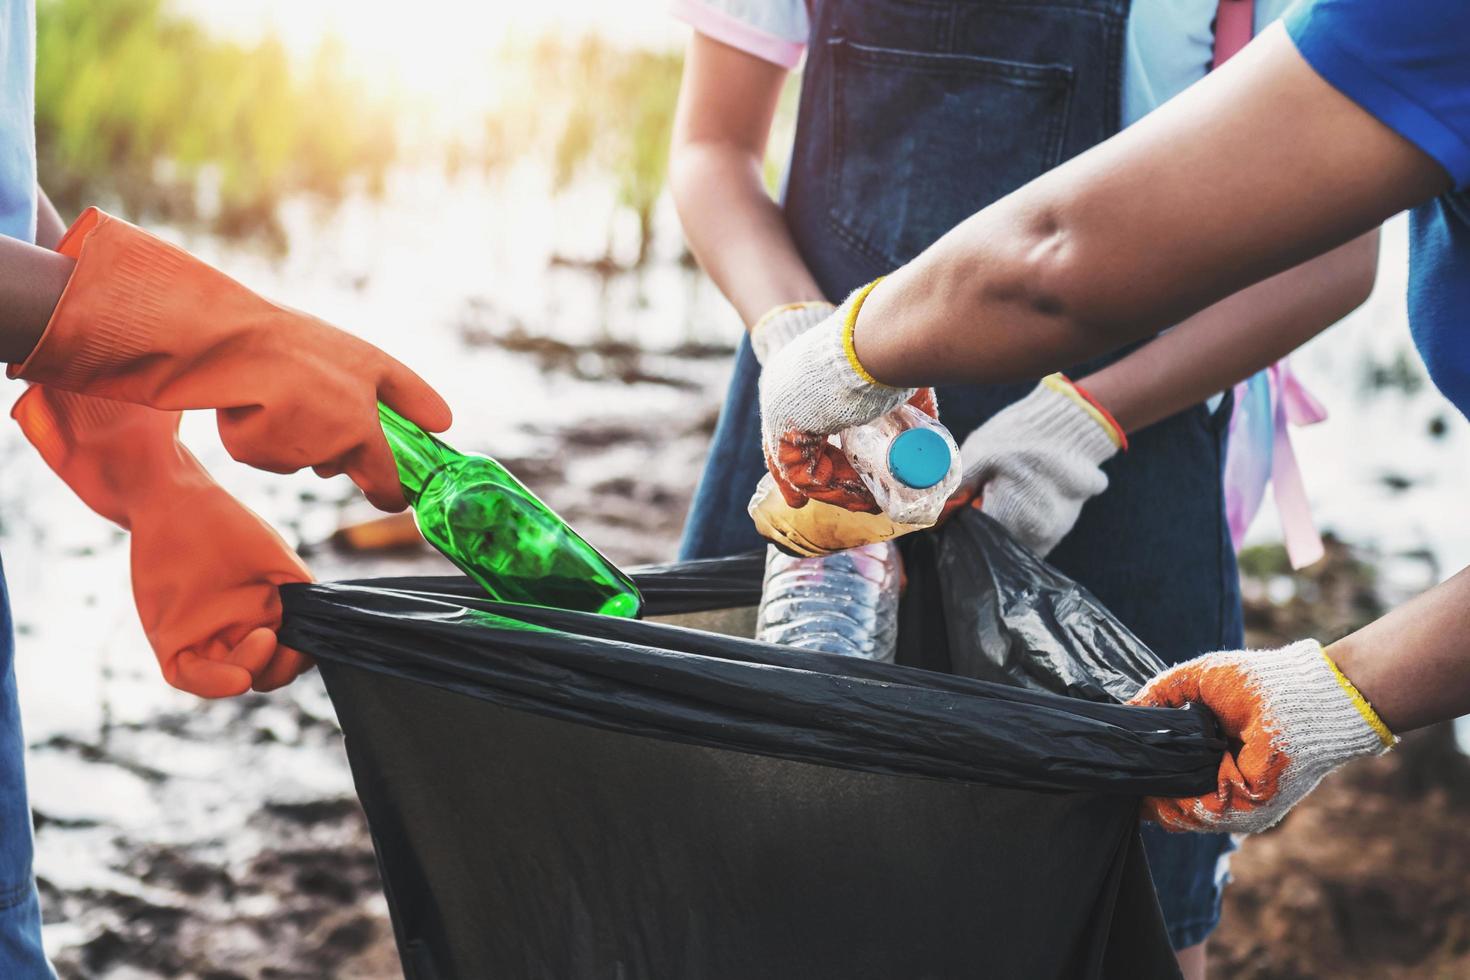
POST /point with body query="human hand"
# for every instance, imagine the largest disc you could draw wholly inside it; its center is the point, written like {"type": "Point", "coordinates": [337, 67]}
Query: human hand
{"type": "Point", "coordinates": [1036, 462]}
{"type": "Point", "coordinates": [813, 387]}
{"type": "Point", "coordinates": [205, 568]}
{"type": "Point", "coordinates": [1291, 718]}
{"type": "Point", "coordinates": [143, 321]}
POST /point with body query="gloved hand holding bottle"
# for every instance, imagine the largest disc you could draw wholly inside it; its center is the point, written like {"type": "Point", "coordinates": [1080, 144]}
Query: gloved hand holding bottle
{"type": "Point", "coordinates": [805, 462]}
{"type": "Point", "coordinates": [814, 387]}
{"type": "Point", "coordinates": [143, 321]}
{"type": "Point", "coordinates": [859, 485]}
{"type": "Point", "coordinates": [1036, 462]}
{"type": "Point", "coordinates": [1291, 717]}
{"type": "Point", "coordinates": [205, 569]}
{"type": "Point", "coordinates": [845, 603]}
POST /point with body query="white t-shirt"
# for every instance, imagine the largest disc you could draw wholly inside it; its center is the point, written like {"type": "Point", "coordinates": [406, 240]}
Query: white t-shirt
{"type": "Point", "coordinates": [1168, 47]}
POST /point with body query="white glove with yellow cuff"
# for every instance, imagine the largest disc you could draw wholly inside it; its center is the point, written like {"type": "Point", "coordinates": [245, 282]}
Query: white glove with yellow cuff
{"type": "Point", "coordinates": [816, 385]}
{"type": "Point", "coordinates": [810, 388]}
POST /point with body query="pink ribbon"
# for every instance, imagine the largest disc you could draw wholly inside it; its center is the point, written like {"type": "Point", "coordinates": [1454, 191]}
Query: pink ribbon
{"type": "Point", "coordinates": [1261, 453]}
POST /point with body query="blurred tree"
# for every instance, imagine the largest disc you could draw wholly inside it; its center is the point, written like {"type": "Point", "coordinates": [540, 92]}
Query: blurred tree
{"type": "Point", "coordinates": [608, 109]}
{"type": "Point", "coordinates": [139, 106]}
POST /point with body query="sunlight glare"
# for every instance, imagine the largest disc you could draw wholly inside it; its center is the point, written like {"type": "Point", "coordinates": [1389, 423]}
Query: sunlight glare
{"type": "Point", "coordinates": [437, 58]}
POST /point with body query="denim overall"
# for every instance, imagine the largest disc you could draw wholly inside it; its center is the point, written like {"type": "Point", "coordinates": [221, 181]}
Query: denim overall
{"type": "Point", "coordinates": [915, 114]}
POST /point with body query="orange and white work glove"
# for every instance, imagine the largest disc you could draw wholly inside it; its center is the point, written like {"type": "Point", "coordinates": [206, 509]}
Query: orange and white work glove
{"type": "Point", "coordinates": [1291, 718]}
{"type": "Point", "coordinates": [816, 386]}
{"type": "Point", "coordinates": [205, 568]}
{"type": "Point", "coordinates": [1035, 463]}
{"type": "Point", "coordinates": [143, 321]}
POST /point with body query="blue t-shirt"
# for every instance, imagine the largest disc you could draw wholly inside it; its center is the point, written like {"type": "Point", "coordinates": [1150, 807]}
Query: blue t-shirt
{"type": "Point", "coordinates": [18, 119]}
{"type": "Point", "coordinates": [1407, 62]}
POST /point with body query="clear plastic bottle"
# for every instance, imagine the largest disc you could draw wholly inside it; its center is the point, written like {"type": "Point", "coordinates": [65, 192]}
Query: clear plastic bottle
{"type": "Point", "coordinates": [907, 460]}
{"type": "Point", "coordinates": [845, 603]}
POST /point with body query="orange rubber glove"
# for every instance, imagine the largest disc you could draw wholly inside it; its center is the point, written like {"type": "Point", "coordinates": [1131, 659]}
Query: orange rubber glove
{"type": "Point", "coordinates": [808, 467]}
{"type": "Point", "coordinates": [143, 321]}
{"type": "Point", "coordinates": [1291, 718]}
{"type": "Point", "coordinates": [205, 568]}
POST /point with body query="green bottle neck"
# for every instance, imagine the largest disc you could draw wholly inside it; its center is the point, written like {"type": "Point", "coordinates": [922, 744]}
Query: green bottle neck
{"type": "Point", "coordinates": [418, 454]}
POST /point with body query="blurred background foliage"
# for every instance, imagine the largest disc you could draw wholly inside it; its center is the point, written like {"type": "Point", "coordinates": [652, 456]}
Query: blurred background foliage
{"type": "Point", "coordinates": [140, 108]}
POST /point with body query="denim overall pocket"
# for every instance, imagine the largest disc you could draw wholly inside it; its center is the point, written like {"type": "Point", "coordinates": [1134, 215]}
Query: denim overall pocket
{"type": "Point", "coordinates": [920, 141]}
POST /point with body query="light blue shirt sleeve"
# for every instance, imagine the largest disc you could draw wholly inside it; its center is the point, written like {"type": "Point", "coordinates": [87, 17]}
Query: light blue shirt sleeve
{"type": "Point", "coordinates": [18, 119]}
{"type": "Point", "coordinates": [1168, 47]}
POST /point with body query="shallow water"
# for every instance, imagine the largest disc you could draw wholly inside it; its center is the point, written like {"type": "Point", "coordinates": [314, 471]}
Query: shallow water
{"type": "Point", "coordinates": [169, 822]}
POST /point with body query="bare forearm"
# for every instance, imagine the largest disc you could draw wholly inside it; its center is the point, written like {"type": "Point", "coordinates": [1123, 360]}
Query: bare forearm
{"type": "Point", "coordinates": [1238, 336]}
{"type": "Point", "coordinates": [737, 232]}
{"type": "Point", "coordinates": [1148, 228]}
{"type": "Point", "coordinates": [31, 281]}
{"type": "Point", "coordinates": [726, 103]}
{"type": "Point", "coordinates": [1413, 665]}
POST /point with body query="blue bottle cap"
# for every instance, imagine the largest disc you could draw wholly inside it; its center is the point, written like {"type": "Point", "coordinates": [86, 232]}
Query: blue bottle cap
{"type": "Point", "coordinates": [918, 458]}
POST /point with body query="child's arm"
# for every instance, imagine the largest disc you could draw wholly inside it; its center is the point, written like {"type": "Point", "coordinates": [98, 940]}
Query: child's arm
{"type": "Point", "coordinates": [1238, 336]}
{"type": "Point", "coordinates": [726, 104]}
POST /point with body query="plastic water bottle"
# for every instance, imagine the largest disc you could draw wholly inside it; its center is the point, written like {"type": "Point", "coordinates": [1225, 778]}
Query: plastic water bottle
{"type": "Point", "coordinates": [845, 603]}
{"type": "Point", "coordinates": [906, 459]}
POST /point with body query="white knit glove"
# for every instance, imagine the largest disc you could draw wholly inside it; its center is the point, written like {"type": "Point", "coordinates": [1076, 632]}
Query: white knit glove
{"type": "Point", "coordinates": [782, 325]}
{"type": "Point", "coordinates": [1295, 718]}
{"type": "Point", "coordinates": [815, 384]}
{"type": "Point", "coordinates": [1035, 463]}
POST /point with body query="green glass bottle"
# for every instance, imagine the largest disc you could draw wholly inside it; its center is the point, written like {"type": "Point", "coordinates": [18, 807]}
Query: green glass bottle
{"type": "Point", "coordinates": [485, 521]}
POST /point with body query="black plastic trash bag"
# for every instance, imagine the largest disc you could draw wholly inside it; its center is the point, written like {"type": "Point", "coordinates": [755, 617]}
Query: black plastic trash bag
{"type": "Point", "coordinates": [556, 794]}
{"type": "Point", "coordinates": [1009, 617]}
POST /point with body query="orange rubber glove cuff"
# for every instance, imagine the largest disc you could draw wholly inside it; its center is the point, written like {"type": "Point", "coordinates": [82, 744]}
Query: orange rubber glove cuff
{"type": "Point", "coordinates": [205, 568]}
{"type": "Point", "coordinates": [143, 321]}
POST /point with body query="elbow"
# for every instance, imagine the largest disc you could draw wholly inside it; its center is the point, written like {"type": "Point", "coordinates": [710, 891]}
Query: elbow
{"type": "Point", "coordinates": [1055, 276]}
{"type": "Point", "coordinates": [700, 171]}
{"type": "Point", "coordinates": [1044, 277]}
